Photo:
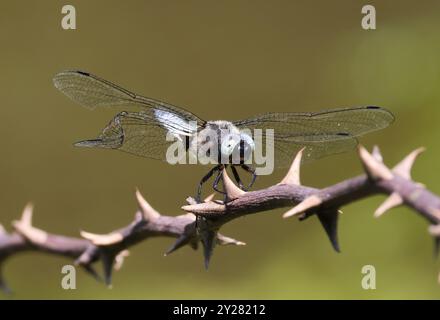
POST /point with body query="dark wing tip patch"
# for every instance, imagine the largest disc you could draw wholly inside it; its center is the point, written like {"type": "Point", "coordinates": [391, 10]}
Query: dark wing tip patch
{"type": "Point", "coordinates": [385, 111]}
{"type": "Point", "coordinates": [83, 73]}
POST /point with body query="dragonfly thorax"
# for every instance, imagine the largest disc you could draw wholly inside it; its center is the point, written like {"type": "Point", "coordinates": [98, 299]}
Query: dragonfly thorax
{"type": "Point", "coordinates": [221, 142]}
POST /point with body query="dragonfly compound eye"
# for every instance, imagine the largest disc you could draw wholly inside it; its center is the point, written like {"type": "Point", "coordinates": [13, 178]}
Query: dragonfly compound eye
{"type": "Point", "coordinates": [243, 149]}
{"type": "Point", "coordinates": [229, 142]}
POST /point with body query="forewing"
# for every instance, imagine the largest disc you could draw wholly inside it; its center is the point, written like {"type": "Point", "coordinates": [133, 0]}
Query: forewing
{"type": "Point", "coordinates": [285, 149]}
{"type": "Point", "coordinates": [92, 91]}
{"type": "Point", "coordinates": [321, 133]}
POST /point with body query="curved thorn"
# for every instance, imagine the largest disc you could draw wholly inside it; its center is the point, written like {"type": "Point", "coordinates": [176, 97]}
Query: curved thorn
{"type": "Point", "coordinates": [377, 154]}
{"type": "Point", "coordinates": [393, 200]}
{"type": "Point", "coordinates": [25, 228]}
{"type": "Point", "coordinates": [231, 190]}
{"type": "Point", "coordinates": [119, 259]}
{"type": "Point", "coordinates": [102, 239]}
{"type": "Point", "coordinates": [293, 175]}
{"type": "Point", "coordinates": [329, 221]}
{"type": "Point", "coordinates": [181, 241]}
{"type": "Point", "coordinates": [374, 169]}
{"type": "Point", "coordinates": [307, 204]}
{"type": "Point", "coordinates": [26, 216]}
{"type": "Point", "coordinates": [224, 241]}
{"type": "Point", "coordinates": [208, 239]}
{"type": "Point", "coordinates": [108, 260]}
{"type": "Point", "coordinates": [148, 211]}
{"type": "Point", "coordinates": [403, 168]}
{"type": "Point", "coordinates": [209, 198]}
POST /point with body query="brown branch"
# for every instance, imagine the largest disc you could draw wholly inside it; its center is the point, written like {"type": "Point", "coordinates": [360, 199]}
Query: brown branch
{"type": "Point", "coordinates": [212, 214]}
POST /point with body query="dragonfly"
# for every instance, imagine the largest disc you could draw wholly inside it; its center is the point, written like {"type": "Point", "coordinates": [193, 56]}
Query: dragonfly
{"type": "Point", "coordinates": [143, 129]}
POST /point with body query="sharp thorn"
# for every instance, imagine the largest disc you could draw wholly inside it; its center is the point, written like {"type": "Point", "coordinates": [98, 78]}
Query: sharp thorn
{"type": "Point", "coordinates": [231, 190]}
{"type": "Point", "coordinates": [374, 169]}
{"type": "Point", "coordinates": [91, 271]}
{"type": "Point", "coordinates": [26, 217]}
{"type": "Point", "coordinates": [224, 241]}
{"type": "Point", "coordinates": [102, 239]}
{"type": "Point", "coordinates": [208, 239]}
{"type": "Point", "coordinates": [25, 228]}
{"type": "Point", "coordinates": [148, 211]}
{"type": "Point", "coordinates": [209, 198]}
{"type": "Point", "coordinates": [181, 241]}
{"type": "Point", "coordinates": [293, 175]}
{"type": "Point", "coordinates": [307, 204]}
{"type": "Point", "coordinates": [329, 221]}
{"type": "Point", "coordinates": [377, 154]}
{"type": "Point", "coordinates": [393, 200]}
{"type": "Point", "coordinates": [403, 168]}
{"type": "Point", "coordinates": [108, 260]}
{"type": "Point", "coordinates": [120, 258]}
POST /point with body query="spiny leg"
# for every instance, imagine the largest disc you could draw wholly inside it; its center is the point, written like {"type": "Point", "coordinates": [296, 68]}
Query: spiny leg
{"type": "Point", "coordinates": [217, 179]}
{"type": "Point", "coordinates": [216, 182]}
{"type": "Point", "coordinates": [237, 177]}
{"type": "Point", "coordinates": [217, 168]}
{"type": "Point", "coordinates": [254, 175]}
{"type": "Point", "coordinates": [204, 179]}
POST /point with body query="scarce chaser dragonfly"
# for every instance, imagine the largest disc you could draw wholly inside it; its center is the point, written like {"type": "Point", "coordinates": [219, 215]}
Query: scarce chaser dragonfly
{"type": "Point", "coordinates": [142, 130]}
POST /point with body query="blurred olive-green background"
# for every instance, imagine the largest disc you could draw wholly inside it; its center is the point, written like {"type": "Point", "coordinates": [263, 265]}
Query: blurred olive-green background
{"type": "Point", "coordinates": [221, 60]}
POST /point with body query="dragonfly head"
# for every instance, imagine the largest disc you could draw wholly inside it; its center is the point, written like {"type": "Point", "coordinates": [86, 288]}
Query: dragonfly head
{"type": "Point", "coordinates": [237, 147]}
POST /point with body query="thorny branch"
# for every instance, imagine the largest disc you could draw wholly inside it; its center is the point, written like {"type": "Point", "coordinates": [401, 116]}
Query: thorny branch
{"type": "Point", "coordinates": [111, 248]}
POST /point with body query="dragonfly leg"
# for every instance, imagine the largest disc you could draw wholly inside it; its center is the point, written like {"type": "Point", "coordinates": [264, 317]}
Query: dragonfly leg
{"type": "Point", "coordinates": [204, 179]}
{"type": "Point", "coordinates": [237, 177]}
{"type": "Point", "coordinates": [217, 180]}
{"type": "Point", "coordinates": [217, 168]}
{"type": "Point", "coordinates": [254, 175]}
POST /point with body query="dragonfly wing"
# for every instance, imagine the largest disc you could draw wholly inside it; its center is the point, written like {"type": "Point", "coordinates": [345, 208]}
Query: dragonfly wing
{"type": "Point", "coordinates": [321, 133]}
{"type": "Point", "coordinates": [143, 132]}
{"type": "Point", "coordinates": [91, 91]}
{"type": "Point", "coordinates": [315, 148]}
{"type": "Point", "coordinates": [135, 133]}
